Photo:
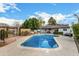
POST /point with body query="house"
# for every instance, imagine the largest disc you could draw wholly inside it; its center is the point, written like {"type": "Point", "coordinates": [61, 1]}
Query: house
{"type": "Point", "coordinates": [59, 27]}
{"type": "Point", "coordinates": [4, 26]}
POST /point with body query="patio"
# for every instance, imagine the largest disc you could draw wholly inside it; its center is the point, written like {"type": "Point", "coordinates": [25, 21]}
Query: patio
{"type": "Point", "coordinates": [67, 47]}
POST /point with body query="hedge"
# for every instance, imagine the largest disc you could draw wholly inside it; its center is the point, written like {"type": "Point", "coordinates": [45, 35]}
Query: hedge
{"type": "Point", "coordinates": [56, 32]}
{"type": "Point", "coordinates": [76, 30]}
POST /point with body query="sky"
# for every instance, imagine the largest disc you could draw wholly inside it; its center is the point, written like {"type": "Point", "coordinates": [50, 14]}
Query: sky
{"type": "Point", "coordinates": [63, 13]}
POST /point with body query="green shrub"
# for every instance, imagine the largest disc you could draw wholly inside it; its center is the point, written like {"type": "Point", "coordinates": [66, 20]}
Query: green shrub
{"type": "Point", "coordinates": [2, 35]}
{"type": "Point", "coordinates": [77, 37]}
{"type": "Point", "coordinates": [61, 33]}
{"type": "Point", "coordinates": [76, 30]}
{"type": "Point", "coordinates": [56, 32]}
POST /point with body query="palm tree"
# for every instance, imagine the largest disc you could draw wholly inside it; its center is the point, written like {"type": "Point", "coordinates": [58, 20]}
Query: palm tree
{"type": "Point", "coordinates": [77, 17]}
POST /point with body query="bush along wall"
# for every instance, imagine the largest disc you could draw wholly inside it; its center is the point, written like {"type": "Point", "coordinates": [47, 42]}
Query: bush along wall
{"type": "Point", "coordinates": [59, 33]}
{"type": "Point", "coordinates": [75, 28]}
{"type": "Point", "coordinates": [76, 31]}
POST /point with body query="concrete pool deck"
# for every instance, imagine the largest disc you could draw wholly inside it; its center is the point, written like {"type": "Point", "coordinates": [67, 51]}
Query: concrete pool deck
{"type": "Point", "coordinates": [67, 47]}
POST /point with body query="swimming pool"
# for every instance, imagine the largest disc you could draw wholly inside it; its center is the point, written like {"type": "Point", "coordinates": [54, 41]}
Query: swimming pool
{"type": "Point", "coordinates": [41, 41]}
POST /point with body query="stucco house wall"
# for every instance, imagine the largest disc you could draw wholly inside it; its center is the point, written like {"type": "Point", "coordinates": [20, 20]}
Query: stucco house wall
{"type": "Point", "coordinates": [65, 30]}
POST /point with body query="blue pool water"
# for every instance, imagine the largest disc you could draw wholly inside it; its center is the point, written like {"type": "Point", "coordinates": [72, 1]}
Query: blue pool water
{"type": "Point", "coordinates": [41, 41]}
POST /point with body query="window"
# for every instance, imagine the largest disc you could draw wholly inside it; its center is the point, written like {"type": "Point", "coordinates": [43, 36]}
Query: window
{"type": "Point", "coordinates": [64, 29]}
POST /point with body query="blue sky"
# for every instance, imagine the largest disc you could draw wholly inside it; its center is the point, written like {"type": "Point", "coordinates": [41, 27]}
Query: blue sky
{"type": "Point", "coordinates": [62, 12]}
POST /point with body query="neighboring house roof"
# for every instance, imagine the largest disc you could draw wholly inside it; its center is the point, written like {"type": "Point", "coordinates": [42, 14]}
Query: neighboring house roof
{"type": "Point", "coordinates": [3, 25]}
{"type": "Point", "coordinates": [55, 26]}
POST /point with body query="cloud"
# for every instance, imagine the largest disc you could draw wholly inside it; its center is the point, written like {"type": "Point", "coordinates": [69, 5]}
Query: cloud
{"type": "Point", "coordinates": [10, 21]}
{"type": "Point", "coordinates": [45, 16]}
{"type": "Point", "coordinates": [59, 17]}
{"type": "Point", "coordinates": [32, 16]}
{"type": "Point", "coordinates": [68, 15]}
{"type": "Point", "coordinates": [8, 6]}
{"type": "Point", "coordinates": [14, 6]}
{"type": "Point", "coordinates": [69, 21]}
{"type": "Point", "coordinates": [2, 9]}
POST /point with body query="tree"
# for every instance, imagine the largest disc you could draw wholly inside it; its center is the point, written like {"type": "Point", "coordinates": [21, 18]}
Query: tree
{"type": "Point", "coordinates": [41, 23]}
{"type": "Point", "coordinates": [25, 24]}
{"type": "Point", "coordinates": [52, 21]}
{"type": "Point", "coordinates": [32, 23]}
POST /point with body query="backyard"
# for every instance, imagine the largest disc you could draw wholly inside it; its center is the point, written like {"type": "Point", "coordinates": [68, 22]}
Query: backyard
{"type": "Point", "coordinates": [66, 44]}
{"type": "Point", "coordinates": [35, 33]}
{"type": "Point", "coordinates": [66, 47]}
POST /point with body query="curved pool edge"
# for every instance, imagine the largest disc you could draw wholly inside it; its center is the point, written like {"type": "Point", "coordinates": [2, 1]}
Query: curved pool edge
{"type": "Point", "coordinates": [35, 48]}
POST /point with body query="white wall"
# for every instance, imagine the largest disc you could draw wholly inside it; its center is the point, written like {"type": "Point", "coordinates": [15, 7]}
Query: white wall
{"type": "Point", "coordinates": [68, 30]}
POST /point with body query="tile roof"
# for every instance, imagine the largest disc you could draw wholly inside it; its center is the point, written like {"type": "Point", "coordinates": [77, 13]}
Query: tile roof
{"type": "Point", "coordinates": [55, 26]}
{"type": "Point", "coordinates": [4, 25]}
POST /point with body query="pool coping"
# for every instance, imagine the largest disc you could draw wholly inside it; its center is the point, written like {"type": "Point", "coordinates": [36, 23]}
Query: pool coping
{"type": "Point", "coordinates": [35, 48]}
